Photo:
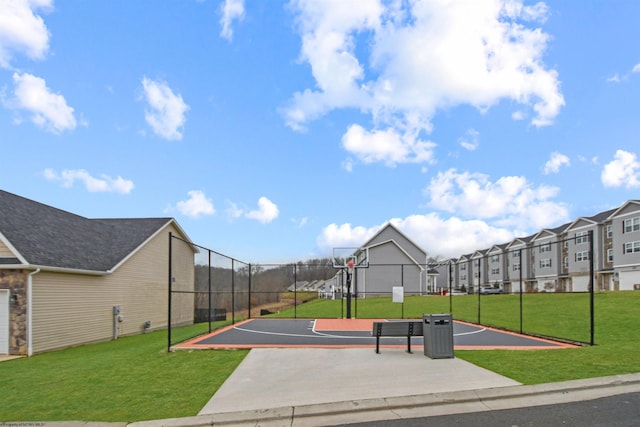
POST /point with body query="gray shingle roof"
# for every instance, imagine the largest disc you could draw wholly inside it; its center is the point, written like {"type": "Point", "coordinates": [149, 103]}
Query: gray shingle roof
{"type": "Point", "coordinates": [50, 237]}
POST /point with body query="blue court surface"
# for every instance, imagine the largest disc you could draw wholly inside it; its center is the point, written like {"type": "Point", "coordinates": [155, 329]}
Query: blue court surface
{"type": "Point", "coordinates": [352, 333]}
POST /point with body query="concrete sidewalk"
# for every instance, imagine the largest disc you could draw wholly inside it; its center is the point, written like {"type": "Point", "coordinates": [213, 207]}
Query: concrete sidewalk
{"type": "Point", "coordinates": [323, 387]}
{"type": "Point", "coordinates": [271, 377]}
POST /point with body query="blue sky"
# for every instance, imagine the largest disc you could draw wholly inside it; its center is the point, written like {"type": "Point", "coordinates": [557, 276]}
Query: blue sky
{"type": "Point", "coordinates": [275, 131]}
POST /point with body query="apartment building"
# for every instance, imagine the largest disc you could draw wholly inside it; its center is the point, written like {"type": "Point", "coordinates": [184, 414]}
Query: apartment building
{"type": "Point", "coordinates": [560, 259]}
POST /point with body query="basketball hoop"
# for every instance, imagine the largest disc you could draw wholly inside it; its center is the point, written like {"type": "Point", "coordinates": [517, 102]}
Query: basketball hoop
{"type": "Point", "coordinates": [350, 266]}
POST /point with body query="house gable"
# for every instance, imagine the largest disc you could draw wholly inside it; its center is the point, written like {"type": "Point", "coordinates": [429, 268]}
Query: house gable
{"type": "Point", "coordinates": [390, 233]}
{"type": "Point", "coordinates": [581, 223]}
{"type": "Point", "coordinates": [8, 255]}
{"type": "Point", "coordinates": [390, 252]}
{"type": "Point", "coordinates": [629, 208]}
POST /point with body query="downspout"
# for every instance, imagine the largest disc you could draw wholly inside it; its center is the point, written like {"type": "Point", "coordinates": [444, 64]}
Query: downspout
{"type": "Point", "coordinates": [30, 312]}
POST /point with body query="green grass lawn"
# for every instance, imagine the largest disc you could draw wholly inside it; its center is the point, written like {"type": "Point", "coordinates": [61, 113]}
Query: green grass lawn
{"type": "Point", "coordinates": [134, 378]}
{"type": "Point", "coordinates": [130, 379]}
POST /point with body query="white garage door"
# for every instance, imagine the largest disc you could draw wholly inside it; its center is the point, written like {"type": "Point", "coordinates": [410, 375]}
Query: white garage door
{"type": "Point", "coordinates": [628, 279]}
{"type": "Point", "coordinates": [580, 283]}
{"type": "Point", "coordinates": [4, 321]}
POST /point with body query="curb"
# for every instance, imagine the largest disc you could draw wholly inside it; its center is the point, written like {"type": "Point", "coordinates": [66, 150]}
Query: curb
{"type": "Point", "coordinates": [413, 406]}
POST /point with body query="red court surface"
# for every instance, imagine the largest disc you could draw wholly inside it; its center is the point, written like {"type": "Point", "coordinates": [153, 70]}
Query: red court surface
{"type": "Point", "coordinates": [353, 333]}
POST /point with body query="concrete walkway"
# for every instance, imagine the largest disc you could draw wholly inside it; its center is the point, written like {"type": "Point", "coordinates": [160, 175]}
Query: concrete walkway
{"type": "Point", "coordinates": [271, 378]}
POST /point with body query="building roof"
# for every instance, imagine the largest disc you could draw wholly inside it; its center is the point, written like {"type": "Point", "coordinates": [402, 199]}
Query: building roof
{"type": "Point", "coordinates": [49, 237]}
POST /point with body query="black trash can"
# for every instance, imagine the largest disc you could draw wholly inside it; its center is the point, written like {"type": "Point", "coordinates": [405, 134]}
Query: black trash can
{"type": "Point", "coordinates": [437, 330]}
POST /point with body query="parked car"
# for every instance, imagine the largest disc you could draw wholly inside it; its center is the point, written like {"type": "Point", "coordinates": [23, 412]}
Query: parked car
{"type": "Point", "coordinates": [487, 290]}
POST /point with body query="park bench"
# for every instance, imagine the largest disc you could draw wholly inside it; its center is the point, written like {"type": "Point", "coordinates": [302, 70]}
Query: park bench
{"type": "Point", "coordinates": [399, 328]}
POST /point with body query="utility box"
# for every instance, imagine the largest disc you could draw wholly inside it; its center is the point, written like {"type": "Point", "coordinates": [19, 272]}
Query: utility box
{"type": "Point", "coordinates": [438, 335]}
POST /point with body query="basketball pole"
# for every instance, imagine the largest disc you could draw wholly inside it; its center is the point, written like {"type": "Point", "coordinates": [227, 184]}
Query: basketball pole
{"type": "Point", "coordinates": [349, 269]}
{"type": "Point", "coordinates": [348, 293]}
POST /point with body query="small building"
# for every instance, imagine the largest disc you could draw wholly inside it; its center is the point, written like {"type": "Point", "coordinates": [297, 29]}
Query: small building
{"type": "Point", "coordinates": [394, 260]}
{"type": "Point", "coordinates": [67, 280]}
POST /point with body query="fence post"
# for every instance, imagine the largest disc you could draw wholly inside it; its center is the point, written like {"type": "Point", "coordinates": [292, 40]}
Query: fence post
{"type": "Point", "coordinates": [249, 284]}
{"type": "Point", "coordinates": [450, 287]}
{"type": "Point", "coordinates": [233, 292]}
{"type": "Point", "coordinates": [209, 288]}
{"type": "Point", "coordinates": [478, 290]}
{"type": "Point", "coordinates": [169, 297]}
{"type": "Point", "coordinates": [521, 285]}
{"type": "Point", "coordinates": [592, 287]}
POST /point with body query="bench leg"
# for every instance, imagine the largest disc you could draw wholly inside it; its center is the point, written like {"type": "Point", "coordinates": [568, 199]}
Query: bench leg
{"type": "Point", "coordinates": [377, 344]}
{"type": "Point", "coordinates": [409, 344]}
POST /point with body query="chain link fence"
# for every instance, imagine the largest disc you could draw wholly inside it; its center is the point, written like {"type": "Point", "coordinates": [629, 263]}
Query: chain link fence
{"type": "Point", "coordinates": [508, 289]}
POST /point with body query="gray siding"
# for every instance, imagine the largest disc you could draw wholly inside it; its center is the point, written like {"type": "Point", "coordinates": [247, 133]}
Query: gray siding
{"type": "Point", "coordinates": [389, 266]}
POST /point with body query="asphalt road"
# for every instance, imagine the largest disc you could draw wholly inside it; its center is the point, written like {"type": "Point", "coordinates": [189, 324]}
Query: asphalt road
{"type": "Point", "coordinates": [614, 411]}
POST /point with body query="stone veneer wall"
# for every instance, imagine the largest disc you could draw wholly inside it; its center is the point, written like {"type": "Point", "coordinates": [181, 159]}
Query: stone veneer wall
{"type": "Point", "coordinates": [16, 282]}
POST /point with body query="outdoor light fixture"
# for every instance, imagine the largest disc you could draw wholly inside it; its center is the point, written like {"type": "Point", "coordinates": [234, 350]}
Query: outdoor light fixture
{"type": "Point", "coordinates": [14, 299]}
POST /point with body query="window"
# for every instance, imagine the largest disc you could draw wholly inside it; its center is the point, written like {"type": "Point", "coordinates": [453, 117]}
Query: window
{"type": "Point", "coordinates": [516, 254]}
{"type": "Point", "coordinates": [516, 267]}
{"type": "Point", "coordinates": [582, 237]}
{"type": "Point", "coordinates": [565, 262]}
{"type": "Point", "coordinates": [582, 256]}
{"type": "Point", "coordinates": [545, 263]}
{"type": "Point", "coordinates": [463, 277]}
{"type": "Point", "coordinates": [632, 224]}
{"type": "Point", "coordinates": [476, 274]}
{"type": "Point", "coordinates": [495, 271]}
{"type": "Point", "coordinates": [609, 231]}
{"type": "Point", "coordinates": [610, 255]}
{"type": "Point", "coordinates": [545, 248]}
{"type": "Point", "coordinates": [463, 267]}
{"type": "Point", "coordinates": [495, 258]}
{"type": "Point", "coordinates": [631, 247]}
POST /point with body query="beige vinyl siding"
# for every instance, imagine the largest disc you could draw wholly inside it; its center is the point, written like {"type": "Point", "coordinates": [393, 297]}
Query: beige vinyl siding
{"type": "Point", "coordinates": [5, 252]}
{"type": "Point", "coordinates": [71, 309]}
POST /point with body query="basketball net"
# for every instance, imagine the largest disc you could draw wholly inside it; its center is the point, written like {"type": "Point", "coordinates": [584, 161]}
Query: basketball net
{"type": "Point", "coordinates": [350, 266]}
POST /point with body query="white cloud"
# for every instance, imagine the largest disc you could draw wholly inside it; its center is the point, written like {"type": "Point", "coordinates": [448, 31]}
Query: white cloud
{"type": "Point", "coordinates": [347, 165]}
{"type": "Point", "coordinates": [104, 183]}
{"type": "Point", "coordinates": [470, 140]}
{"type": "Point", "coordinates": [554, 163]}
{"type": "Point", "coordinates": [299, 223]}
{"type": "Point", "coordinates": [614, 79]}
{"type": "Point", "coordinates": [22, 30]}
{"type": "Point", "coordinates": [622, 171]}
{"type": "Point", "coordinates": [511, 201]}
{"type": "Point", "coordinates": [518, 115]}
{"type": "Point", "coordinates": [196, 205]}
{"type": "Point", "coordinates": [386, 146]}
{"type": "Point", "coordinates": [48, 110]}
{"type": "Point", "coordinates": [450, 237]}
{"type": "Point", "coordinates": [423, 57]}
{"type": "Point", "coordinates": [483, 213]}
{"type": "Point", "coordinates": [231, 10]}
{"type": "Point", "coordinates": [636, 68]}
{"type": "Point", "coordinates": [166, 113]}
{"type": "Point", "coordinates": [233, 211]}
{"type": "Point", "coordinates": [343, 236]}
{"type": "Point", "coordinates": [267, 211]}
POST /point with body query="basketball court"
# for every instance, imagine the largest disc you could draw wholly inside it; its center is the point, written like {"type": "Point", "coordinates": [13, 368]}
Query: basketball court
{"type": "Point", "coordinates": [352, 333]}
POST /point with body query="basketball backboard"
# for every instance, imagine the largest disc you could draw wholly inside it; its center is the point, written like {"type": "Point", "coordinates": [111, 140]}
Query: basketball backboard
{"type": "Point", "coordinates": [350, 257]}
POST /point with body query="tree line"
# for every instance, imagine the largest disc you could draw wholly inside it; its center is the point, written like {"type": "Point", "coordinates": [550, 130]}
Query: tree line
{"type": "Point", "coordinates": [259, 284]}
